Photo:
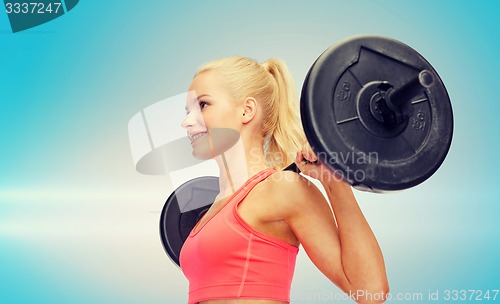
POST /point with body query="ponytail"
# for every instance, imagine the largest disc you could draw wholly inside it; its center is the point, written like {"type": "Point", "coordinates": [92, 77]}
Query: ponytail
{"type": "Point", "coordinates": [282, 124]}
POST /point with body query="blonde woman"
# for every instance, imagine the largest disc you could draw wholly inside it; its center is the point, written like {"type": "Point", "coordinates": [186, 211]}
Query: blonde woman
{"type": "Point", "coordinates": [243, 250]}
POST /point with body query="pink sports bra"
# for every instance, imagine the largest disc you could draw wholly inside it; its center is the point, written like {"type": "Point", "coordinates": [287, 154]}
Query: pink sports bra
{"type": "Point", "coordinates": [227, 259]}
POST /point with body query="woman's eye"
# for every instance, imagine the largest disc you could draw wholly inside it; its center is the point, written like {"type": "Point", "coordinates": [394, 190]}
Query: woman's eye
{"type": "Point", "coordinates": [203, 104]}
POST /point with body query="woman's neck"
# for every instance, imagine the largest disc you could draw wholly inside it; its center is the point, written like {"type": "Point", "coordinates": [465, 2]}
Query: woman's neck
{"type": "Point", "coordinates": [237, 165]}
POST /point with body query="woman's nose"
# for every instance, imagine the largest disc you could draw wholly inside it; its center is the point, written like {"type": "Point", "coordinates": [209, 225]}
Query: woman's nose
{"type": "Point", "coordinates": [188, 121]}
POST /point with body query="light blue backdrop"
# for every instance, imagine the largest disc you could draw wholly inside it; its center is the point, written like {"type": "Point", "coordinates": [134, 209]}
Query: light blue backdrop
{"type": "Point", "coordinates": [79, 225]}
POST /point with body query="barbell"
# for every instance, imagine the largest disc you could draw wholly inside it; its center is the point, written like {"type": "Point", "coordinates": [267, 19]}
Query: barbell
{"type": "Point", "coordinates": [374, 111]}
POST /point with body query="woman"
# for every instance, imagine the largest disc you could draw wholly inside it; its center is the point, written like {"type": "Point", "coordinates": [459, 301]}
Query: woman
{"type": "Point", "coordinates": [243, 250]}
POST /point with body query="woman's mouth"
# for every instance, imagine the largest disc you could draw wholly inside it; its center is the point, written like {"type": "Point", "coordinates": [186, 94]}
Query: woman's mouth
{"type": "Point", "coordinates": [196, 136]}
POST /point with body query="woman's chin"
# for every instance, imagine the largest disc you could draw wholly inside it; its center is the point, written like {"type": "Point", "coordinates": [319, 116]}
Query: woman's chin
{"type": "Point", "coordinates": [202, 149]}
{"type": "Point", "coordinates": [202, 155]}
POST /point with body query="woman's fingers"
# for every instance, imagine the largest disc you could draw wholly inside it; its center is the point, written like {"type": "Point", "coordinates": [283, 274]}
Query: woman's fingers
{"type": "Point", "coordinates": [308, 152]}
{"type": "Point", "coordinates": [307, 162]}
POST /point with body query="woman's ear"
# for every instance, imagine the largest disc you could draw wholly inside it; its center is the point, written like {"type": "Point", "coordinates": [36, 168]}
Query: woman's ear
{"type": "Point", "coordinates": [249, 109]}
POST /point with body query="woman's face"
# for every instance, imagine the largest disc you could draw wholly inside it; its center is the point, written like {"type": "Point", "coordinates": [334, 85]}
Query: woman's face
{"type": "Point", "coordinates": [213, 118]}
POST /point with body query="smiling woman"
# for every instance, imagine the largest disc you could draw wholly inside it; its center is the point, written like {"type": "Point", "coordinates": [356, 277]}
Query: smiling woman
{"type": "Point", "coordinates": [243, 250]}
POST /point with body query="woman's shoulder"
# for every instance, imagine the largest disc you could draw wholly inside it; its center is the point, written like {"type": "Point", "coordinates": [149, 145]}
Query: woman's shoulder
{"type": "Point", "coordinates": [292, 191]}
{"type": "Point", "coordinates": [287, 181]}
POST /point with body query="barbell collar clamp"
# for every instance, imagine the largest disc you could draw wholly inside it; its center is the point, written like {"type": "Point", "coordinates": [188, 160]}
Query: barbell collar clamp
{"type": "Point", "coordinates": [396, 103]}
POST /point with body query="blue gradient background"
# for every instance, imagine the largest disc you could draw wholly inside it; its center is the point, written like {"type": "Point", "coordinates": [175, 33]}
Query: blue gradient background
{"type": "Point", "coordinates": [79, 225]}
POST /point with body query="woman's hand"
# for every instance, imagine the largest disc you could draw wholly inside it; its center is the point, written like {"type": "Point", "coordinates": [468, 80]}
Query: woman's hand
{"type": "Point", "coordinates": [308, 164]}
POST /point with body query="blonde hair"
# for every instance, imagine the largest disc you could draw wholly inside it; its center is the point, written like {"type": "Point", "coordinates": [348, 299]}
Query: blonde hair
{"type": "Point", "coordinates": [271, 84]}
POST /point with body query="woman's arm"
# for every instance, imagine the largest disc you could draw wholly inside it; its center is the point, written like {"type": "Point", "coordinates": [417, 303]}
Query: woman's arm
{"type": "Point", "coordinates": [361, 257]}
{"type": "Point", "coordinates": [342, 245]}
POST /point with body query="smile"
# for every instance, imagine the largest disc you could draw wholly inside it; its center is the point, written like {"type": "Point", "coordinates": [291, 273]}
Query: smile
{"type": "Point", "coordinates": [196, 136]}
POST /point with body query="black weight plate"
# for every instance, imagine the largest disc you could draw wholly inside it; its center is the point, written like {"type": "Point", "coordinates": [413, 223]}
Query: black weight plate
{"type": "Point", "coordinates": [345, 136]}
{"type": "Point", "coordinates": [183, 209]}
